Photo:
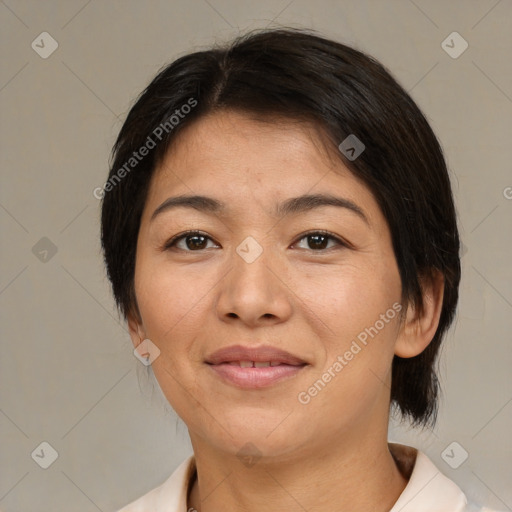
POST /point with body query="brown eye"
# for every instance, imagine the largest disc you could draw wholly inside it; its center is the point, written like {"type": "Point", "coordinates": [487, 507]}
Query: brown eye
{"type": "Point", "coordinates": [196, 242]}
{"type": "Point", "coordinates": [318, 241]}
{"type": "Point", "coordinates": [190, 242]}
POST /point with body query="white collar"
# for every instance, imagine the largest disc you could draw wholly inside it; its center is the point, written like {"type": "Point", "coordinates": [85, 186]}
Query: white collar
{"type": "Point", "coordinates": [428, 490]}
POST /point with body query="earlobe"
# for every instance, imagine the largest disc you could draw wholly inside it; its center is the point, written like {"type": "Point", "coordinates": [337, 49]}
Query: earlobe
{"type": "Point", "coordinates": [420, 324]}
{"type": "Point", "coordinates": [137, 333]}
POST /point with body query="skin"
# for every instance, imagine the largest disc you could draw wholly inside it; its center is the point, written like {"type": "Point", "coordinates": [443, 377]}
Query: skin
{"type": "Point", "coordinates": [310, 302]}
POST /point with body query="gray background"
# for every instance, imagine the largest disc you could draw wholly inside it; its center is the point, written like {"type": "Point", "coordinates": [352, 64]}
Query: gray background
{"type": "Point", "coordinates": [68, 375]}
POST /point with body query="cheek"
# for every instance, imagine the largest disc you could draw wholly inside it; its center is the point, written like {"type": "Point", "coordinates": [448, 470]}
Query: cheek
{"type": "Point", "coordinates": [170, 306]}
{"type": "Point", "coordinates": [351, 311]}
{"type": "Point", "coordinates": [345, 300]}
{"type": "Point", "coordinates": [355, 376]}
{"type": "Point", "coordinates": [169, 299]}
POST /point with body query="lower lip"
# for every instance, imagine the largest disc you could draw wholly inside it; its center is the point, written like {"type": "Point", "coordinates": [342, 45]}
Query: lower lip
{"type": "Point", "coordinates": [255, 378]}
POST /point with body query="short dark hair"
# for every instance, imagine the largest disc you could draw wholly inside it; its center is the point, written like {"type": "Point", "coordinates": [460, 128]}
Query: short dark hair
{"type": "Point", "coordinates": [299, 75]}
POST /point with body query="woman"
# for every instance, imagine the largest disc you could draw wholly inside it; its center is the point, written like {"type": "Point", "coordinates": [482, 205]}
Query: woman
{"type": "Point", "coordinates": [279, 230]}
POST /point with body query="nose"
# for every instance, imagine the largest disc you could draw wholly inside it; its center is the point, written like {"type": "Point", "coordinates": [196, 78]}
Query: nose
{"type": "Point", "coordinates": [255, 293]}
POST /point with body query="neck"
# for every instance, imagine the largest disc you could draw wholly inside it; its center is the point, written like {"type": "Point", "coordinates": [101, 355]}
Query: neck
{"type": "Point", "coordinates": [356, 476]}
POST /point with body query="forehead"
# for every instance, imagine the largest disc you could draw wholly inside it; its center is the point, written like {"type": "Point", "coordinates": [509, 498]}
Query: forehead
{"type": "Point", "coordinates": [238, 158]}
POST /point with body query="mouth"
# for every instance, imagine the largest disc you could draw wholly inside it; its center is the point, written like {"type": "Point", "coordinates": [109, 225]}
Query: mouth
{"type": "Point", "coordinates": [254, 368]}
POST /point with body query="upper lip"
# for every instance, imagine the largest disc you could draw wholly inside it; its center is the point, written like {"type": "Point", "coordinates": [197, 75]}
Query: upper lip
{"type": "Point", "coordinates": [261, 354]}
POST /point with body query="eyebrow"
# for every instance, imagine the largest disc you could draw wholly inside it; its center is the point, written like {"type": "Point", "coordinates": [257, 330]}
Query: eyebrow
{"type": "Point", "coordinates": [293, 205]}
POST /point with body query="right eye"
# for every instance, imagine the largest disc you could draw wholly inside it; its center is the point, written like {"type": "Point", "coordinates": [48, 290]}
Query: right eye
{"type": "Point", "coordinates": [190, 241]}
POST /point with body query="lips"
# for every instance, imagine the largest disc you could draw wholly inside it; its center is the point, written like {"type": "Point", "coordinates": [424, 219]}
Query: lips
{"type": "Point", "coordinates": [248, 367]}
{"type": "Point", "coordinates": [254, 364]}
{"type": "Point", "coordinates": [264, 354]}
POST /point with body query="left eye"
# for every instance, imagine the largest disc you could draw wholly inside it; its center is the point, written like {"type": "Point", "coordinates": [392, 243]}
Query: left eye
{"type": "Point", "coordinates": [319, 241]}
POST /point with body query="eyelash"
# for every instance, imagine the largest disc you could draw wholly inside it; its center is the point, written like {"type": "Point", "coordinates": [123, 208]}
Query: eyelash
{"type": "Point", "coordinates": [171, 244]}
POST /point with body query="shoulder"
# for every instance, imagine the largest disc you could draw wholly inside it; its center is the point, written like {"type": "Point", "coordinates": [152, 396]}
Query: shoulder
{"type": "Point", "coordinates": [427, 490]}
{"type": "Point", "coordinates": [476, 508]}
{"type": "Point", "coordinates": [171, 496]}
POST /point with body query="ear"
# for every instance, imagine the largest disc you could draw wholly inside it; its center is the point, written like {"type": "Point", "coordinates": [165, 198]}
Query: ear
{"type": "Point", "coordinates": [420, 324]}
{"type": "Point", "coordinates": [135, 327]}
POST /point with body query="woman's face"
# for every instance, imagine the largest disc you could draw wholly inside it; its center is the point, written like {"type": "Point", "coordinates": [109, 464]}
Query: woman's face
{"type": "Point", "coordinates": [262, 282]}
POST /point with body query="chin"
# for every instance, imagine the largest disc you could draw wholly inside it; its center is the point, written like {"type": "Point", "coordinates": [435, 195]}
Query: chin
{"type": "Point", "coordinates": [256, 432]}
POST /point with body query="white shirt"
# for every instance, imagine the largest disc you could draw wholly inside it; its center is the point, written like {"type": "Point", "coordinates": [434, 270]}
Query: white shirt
{"type": "Point", "coordinates": [428, 490]}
